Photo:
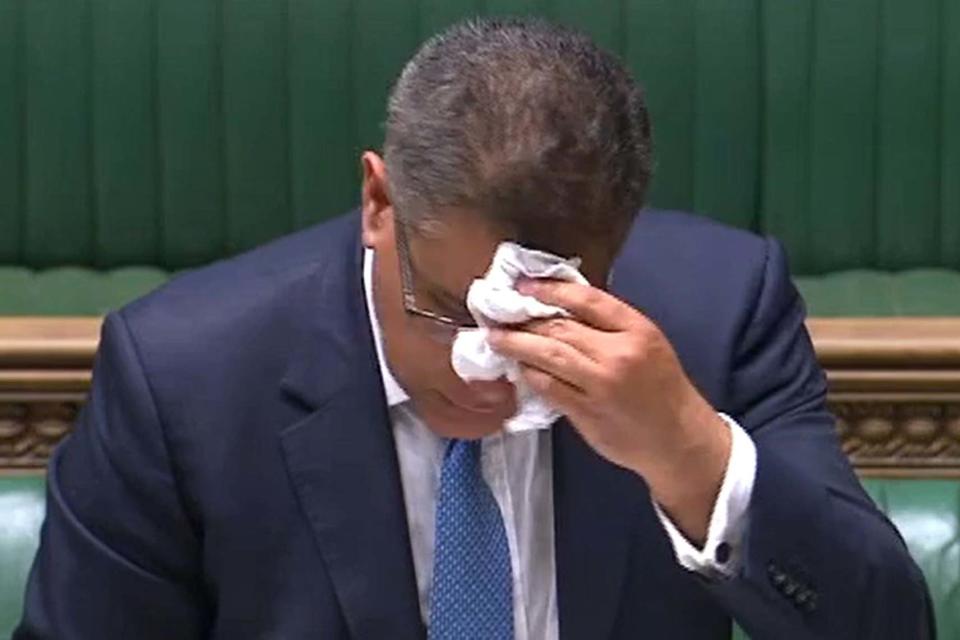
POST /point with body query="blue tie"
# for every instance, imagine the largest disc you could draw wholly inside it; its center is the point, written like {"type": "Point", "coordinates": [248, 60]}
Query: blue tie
{"type": "Point", "coordinates": [472, 595]}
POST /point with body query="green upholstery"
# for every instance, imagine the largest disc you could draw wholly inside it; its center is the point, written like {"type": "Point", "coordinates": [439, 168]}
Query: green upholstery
{"type": "Point", "coordinates": [170, 134]}
{"type": "Point", "coordinates": [67, 291]}
{"type": "Point", "coordinates": [73, 290]}
{"type": "Point", "coordinates": [21, 512]}
{"type": "Point", "coordinates": [927, 512]}
{"type": "Point", "coordinates": [918, 292]}
{"type": "Point", "coordinates": [141, 138]}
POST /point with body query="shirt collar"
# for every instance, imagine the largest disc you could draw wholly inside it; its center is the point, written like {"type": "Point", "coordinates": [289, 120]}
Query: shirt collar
{"type": "Point", "coordinates": [394, 392]}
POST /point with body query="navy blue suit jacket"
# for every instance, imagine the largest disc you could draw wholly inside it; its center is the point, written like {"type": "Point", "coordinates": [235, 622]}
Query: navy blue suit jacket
{"type": "Point", "coordinates": [233, 474]}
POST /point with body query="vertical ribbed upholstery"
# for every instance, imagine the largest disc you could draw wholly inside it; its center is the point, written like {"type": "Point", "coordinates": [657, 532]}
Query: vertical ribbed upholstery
{"type": "Point", "coordinates": [727, 107]}
{"type": "Point", "coordinates": [785, 128]}
{"type": "Point", "coordinates": [950, 133]}
{"type": "Point", "coordinates": [174, 132]}
{"type": "Point", "coordinates": [385, 34]}
{"type": "Point", "coordinates": [124, 213]}
{"type": "Point", "coordinates": [907, 176]}
{"type": "Point", "coordinates": [321, 92]}
{"type": "Point", "coordinates": [192, 185]}
{"type": "Point", "coordinates": [660, 43]}
{"type": "Point", "coordinates": [842, 129]}
{"type": "Point", "coordinates": [57, 221]}
{"type": "Point", "coordinates": [10, 132]}
{"type": "Point", "coordinates": [255, 121]}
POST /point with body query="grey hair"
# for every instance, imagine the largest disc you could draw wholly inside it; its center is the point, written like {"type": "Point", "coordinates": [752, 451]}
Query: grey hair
{"type": "Point", "coordinates": [528, 123]}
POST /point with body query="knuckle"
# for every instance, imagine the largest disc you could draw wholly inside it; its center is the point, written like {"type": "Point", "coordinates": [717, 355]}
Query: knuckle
{"type": "Point", "coordinates": [589, 297]}
{"type": "Point", "coordinates": [609, 381]}
{"type": "Point", "coordinates": [547, 384]}
{"type": "Point", "coordinates": [626, 357]}
{"type": "Point", "coordinates": [556, 328]}
{"type": "Point", "coordinates": [648, 331]}
{"type": "Point", "coordinates": [556, 356]}
{"type": "Point", "coordinates": [537, 379]}
{"type": "Point", "coordinates": [638, 351]}
{"type": "Point", "coordinates": [601, 393]}
{"type": "Point", "coordinates": [601, 384]}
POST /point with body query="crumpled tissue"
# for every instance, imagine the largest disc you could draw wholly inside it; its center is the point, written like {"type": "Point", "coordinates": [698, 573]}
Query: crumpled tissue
{"type": "Point", "coordinates": [493, 300]}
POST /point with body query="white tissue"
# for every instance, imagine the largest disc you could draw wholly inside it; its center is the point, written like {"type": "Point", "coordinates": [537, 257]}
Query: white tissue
{"type": "Point", "coordinates": [493, 300]}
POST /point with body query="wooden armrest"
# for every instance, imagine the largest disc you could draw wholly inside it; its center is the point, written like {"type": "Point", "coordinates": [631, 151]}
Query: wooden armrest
{"type": "Point", "coordinates": [886, 342]}
{"type": "Point", "coordinates": [894, 387]}
{"type": "Point", "coordinates": [840, 342]}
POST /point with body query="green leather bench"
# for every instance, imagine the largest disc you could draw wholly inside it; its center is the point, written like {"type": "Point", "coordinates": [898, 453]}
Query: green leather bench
{"type": "Point", "coordinates": [142, 138]}
{"type": "Point", "coordinates": [927, 512]}
{"type": "Point", "coordinates": [21, 513]}
{"type": "Point", "coordinates": [138, 139]}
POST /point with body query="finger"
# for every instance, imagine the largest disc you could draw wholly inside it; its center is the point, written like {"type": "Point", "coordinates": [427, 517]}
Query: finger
{"type": "Point", "coordinates": [557, 358]}
{"type": "Point", "coordinates": [582, 337]}
{"type": "Point", "coordinates": [588, 304]}
{"type": "Point", "coordinates": [565, 397]}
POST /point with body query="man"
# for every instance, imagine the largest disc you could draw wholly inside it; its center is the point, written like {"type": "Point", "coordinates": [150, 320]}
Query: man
{"type": "Point", "coordinates": [277, 447]}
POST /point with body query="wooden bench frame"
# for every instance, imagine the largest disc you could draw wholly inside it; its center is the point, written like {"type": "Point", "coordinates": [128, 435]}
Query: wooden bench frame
{"type": "Point", "coordinates": [894, 387]}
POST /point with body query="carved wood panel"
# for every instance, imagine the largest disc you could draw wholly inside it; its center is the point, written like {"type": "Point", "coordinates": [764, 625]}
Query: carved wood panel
{"type": "Point", "coordinates": [879, 434]}
{"type": "Point", "coordinates": [29, 430]}
{"type": "Point", "coordinates": [892, 433]}
{"type": "Point", "coordinates": [894, 388]}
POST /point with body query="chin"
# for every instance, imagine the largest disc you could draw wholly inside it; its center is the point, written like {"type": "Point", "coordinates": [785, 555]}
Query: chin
{"type": "Point", "coordinates": [462, 432]}
{"type": "Point", "coordinates": [449, 420]}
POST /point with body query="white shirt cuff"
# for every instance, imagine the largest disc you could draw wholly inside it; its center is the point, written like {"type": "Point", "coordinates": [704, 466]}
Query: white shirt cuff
{"type": "Point", "coordinates": [722, 550]}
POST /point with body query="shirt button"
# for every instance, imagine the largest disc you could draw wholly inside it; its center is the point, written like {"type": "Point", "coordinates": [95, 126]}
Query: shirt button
{"type": "Point", "coordinates": [722, 553]}
{"type": "Point", "coordinates": [776, 575]}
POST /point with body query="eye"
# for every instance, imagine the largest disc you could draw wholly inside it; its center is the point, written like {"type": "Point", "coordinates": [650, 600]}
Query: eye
{"type": "Point", "coordinates": [451, 309]}
{"type": "Point", "coordinates": [457, 313]}
{"type": "Point", "coordinates": [461, 316]}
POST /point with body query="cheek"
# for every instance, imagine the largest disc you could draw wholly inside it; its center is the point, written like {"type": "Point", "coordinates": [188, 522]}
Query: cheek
{"type": "Point", "coordinates": [419, 362]}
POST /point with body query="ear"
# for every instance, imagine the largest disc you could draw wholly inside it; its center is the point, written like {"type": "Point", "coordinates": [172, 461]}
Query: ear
{"type": "Point", "coordinates": [377, 209]}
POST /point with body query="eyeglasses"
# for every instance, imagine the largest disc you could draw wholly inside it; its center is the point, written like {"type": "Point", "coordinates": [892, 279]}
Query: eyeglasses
{"type": "Point", "coordinates": [441, 327]}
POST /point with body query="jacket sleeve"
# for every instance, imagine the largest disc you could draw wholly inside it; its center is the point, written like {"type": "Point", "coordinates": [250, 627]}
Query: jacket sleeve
{"type": "Point", "coordinates": [819, 559]}
{"type": "Point", "coordinates": [118, 556]}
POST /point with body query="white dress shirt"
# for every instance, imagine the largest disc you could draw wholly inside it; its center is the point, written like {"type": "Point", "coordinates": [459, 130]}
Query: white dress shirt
{"type": "Point", "coordinates": [518, 468]}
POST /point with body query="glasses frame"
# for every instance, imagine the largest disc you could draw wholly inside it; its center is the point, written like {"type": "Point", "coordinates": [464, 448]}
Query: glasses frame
{"type": "Point", "coordinates": [410, 305]}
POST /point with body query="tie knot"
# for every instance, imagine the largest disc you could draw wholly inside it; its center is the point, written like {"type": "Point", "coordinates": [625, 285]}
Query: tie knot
{"type": "Point", "coordinates": [463, 452]}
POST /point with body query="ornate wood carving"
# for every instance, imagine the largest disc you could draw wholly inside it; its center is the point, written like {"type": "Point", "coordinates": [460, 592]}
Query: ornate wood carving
{"type": "Point", "coordinates": [894, 387]}
{"type": "Point", "coordinates": [44, 377]}
{"type": "Point", "coordinates": [29, 430]}
{"type": "Point", "coordinates": [887, 436]}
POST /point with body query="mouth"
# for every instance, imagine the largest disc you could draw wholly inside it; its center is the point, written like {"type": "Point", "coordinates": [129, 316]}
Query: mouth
{"type": "Point", "coordinates": [482, 409]}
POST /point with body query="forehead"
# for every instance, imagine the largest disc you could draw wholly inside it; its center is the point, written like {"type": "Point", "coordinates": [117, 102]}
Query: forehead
{"type": "Point", "coordinates": [458, 250]}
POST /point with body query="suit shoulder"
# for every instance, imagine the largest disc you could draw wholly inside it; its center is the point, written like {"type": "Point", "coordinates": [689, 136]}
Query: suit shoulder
{"type": "Point", "coordinates": [684, 245]}
{"type": "Point", "coordinates": [246, 277]}
{"type": "Point", "coordinates": [690, 271]}
{"type": "Point", "coordinates": [677, 229]}
{"type": "Point", "coordinates": [701, 282]}
{"type": "Point", "coordinates": [242, 308]}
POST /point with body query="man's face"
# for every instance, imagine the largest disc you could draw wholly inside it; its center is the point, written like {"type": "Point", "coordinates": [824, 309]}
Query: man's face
{"type": "Point", "coordinates": [443, 264]}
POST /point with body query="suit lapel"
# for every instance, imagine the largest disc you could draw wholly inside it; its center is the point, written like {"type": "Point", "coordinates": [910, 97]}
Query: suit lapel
{"type": "Point", "coordinates": [344, 469]}
{"type": "Point", "coordinates": [342, 461]}
{"type": "Point", "coordinates": [596, 506]}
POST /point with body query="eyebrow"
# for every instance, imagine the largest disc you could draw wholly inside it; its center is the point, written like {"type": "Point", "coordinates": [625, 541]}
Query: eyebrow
{"type": "Point", "coordinates": [444, 297]}
{"type": "Point", "coordinates": [437, 292]}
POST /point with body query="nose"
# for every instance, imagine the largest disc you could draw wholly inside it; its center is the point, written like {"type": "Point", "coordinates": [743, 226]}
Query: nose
{"type": "Point", "coordinates": [491, 391]}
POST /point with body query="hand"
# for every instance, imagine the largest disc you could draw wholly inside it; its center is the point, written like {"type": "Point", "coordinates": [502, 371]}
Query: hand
{"type": "Point", "coordinates": [615, 375]}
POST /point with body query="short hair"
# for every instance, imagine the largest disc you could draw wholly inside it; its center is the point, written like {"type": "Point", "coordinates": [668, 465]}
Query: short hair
{"type": "Point", "coordinates": [528, 123]}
